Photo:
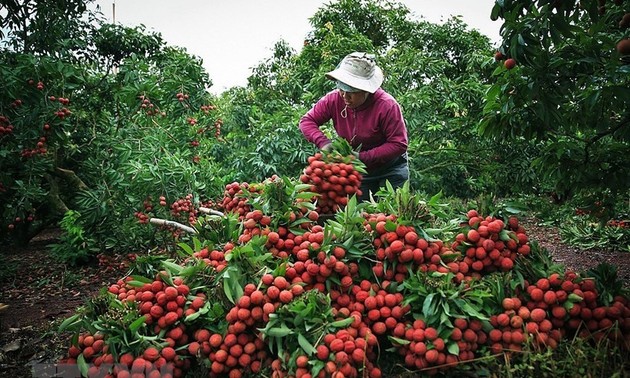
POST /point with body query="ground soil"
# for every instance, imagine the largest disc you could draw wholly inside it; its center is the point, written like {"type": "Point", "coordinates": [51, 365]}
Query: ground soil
{"type": "Point", "coordinates": [40, 293]}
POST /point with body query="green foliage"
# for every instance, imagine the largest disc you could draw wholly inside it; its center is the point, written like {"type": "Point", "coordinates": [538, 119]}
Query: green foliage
{"type": "Point", "coordinates": [585, 234]}
{"type": "Point", "coordinates": [608, 283]}
{"type": "Point", "coordinates": [568, 93]}
{"type": "Point", "coordinates": [435, 298]}
{"type": "Point", "coordinates": [74, 246]}
{"type": "Point", "coordinates": [298, 327]}
{"type": "Point", "coordinates": [430, 217]}
{"type": "Point", "coordinates": [573, 357]}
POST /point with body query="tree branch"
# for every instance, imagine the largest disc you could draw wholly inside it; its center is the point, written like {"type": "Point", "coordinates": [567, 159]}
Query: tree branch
{"type": "Point", "coordinates": [71, 178]}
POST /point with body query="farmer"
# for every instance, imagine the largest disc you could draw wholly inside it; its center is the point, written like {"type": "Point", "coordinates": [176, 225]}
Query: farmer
{"type": "Point", "coordinates": [369, 118]}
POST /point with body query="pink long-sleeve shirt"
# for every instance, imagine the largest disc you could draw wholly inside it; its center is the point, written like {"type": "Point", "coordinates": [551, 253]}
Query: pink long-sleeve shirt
{"type": "Point", "coordinates": [377, 125]}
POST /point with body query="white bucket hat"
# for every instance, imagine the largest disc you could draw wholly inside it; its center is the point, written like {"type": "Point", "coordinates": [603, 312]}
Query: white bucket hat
{"type": "Point", "coordinates": [358, 70]}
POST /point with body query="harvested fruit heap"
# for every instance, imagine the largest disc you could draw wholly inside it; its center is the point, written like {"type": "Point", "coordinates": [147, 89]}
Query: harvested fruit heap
{"type": "Point", "coordinates": [267, 291]}
{"type": "Point", "coordinates": [334, 175]}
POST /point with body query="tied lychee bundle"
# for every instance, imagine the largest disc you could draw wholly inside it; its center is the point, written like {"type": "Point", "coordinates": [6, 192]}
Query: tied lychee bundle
{"type": "Point", "coordinates": [236, 198]}
{"type": "Point", "coordinates": [488, 244]}
{"type": "Point", "coordinates": [162, 305]}
{"type": "Point", "coordinates": [427, 350]}
{"type": "Point", "coordinates": [334, 178]}
{"type": "Point", "coordinates": [399, 248]}
{"type": "Point", "coordinates": [214, 258]}
{"type": "Point", "coordinates": [346, 355]}
{"type": "Point", "coordinates": [335, 175]}
{"type": "Point", "coordinates": [384, 311]}
{"type": "Point", "coordinates": [590, 317]}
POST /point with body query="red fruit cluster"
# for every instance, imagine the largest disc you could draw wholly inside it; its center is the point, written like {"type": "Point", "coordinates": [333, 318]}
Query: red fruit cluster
{"type": "Point", "coordinates": [142, 217]}
{"type": "Point", "coordinates": [325, 270]}
{"type": "Point", "coordinates": [384, 311]}
{"type": "Point", "coordinates": [255, 223]}
{"type": "Point", "coordinates": [514, 326]}
{"type": "Point", "coordinates": [5, 126]}
{"type": "Point", "coordinates": [88, 345]}
{"type": "Point", "coordinates": [62, 113]}
{"type": "Point", "coordinates": [592, 319]}
{"type": "Point", "coordinates": [115, 262]}
{"type": "Point", "coordinates": [39, 150]}
{"type": "Point", "coordinates": [334, 178]}
{"type": "Point", "coordinates": [489, 245]}
{"type": "Point", "coordinates": [207, 108]}
{"type": "Point", "coordinates": [235, 198]}
{"type": "Point", "coordinates": [618, 223]}
{"type": "Point", "coordinates": [345, 355]}
{"type": "Point", "coordinates": [184, 208]}
{"type": "Point", "coordinates": [151, 363]}
{"type": "Point", "coordinates": [400, 248]}
{"type": "Point", "coordinates": [214, 258]}
{"type": "Point", "coordinates": [162, 305]}
{"type": "Point", "coordinates": [217, 128]}
{"type": "Point", "coordinates": [427, 350]}
{"type": "Point", "coordinates": [242, 350]}
{"type": "Point", "coordinates": [148, 107]}
{"type": "Point", "coordinates": [181, 96]}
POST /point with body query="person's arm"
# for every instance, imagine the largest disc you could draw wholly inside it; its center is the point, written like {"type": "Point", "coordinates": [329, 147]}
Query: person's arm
{"type": "Point", "coordinates": [395, 140]}
{"type": "Point", "coordinates": [313, 119]}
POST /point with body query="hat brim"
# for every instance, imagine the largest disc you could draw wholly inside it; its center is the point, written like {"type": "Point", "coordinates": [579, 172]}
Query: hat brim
{"type": "Point", "coordinates": [369, 85]}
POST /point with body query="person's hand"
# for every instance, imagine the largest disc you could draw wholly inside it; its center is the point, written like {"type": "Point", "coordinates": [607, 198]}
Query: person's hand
{"type": "Point", "coordinates": [326, 147]}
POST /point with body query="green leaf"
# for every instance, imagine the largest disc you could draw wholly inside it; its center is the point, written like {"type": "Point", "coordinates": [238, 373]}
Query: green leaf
{"type": "Point", "coordinates": [281, 331]}
{"type": "Point", "coordinates": [133, 327]}
{"type": "Point", "coordinates": [186, 248]}
{"type": "Point", "coordinates": [426, 306]}
{"type": "Point", "coordinates": [399, 341]}
{"type": "Point", "coordinates": [69, 322]}
{"type": "Point", "coordinates": [135, 283]}
{"type": "Point", "coordinates": [453, 348]}
{"type": "Point", "coordinates": [172, 267]}
{"type": "Point", "coordinates": [306, 345]}
{"type": "Point", "coordinates": [83, 365]}
{"type": "Point", "coordinates": [342, 323]}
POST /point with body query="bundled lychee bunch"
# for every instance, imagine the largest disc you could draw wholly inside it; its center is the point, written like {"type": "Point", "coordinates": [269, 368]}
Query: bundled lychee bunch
{"type": "Point", "coordinates": [214, 258]}
{"type": "Point", "coordinates": [163, 305]}
{"type": "Point", "coordinates": [345, 355]}
{"type": "Point", "coordinates": [384, 311]}
{"type": "Point", "coordinates": [150, 362]}
{"type": "Point", "coordinates": [591, 318]}
{"type": "Point", "coordinates": [334, 177]}
{"type": "Point", "coordinates": [240, 351]}
{"type": "Point", "coordinates": [399, 248]}
{"type": "Point", "coordinates": [236, 198]}
{"type": "Point", "coordinates": [489, 245]}
{"type": "Point", "coordinates": [519, 324]}
{"type": "Point", "coordinates": [427, 349]}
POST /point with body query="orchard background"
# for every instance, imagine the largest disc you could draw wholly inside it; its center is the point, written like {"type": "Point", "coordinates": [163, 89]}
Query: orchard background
{"type": "Point", "coordinates": [103, 127]}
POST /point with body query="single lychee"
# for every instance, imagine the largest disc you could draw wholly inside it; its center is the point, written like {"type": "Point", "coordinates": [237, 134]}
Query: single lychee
{"type": "Point", "coordinates": [623, 46]}
{"type": "Point", "coordinates": [510, 63]}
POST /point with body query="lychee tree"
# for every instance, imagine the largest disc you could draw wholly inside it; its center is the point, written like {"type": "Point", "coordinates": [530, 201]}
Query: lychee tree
{"type": "Point", "coordinates": [567, 93]}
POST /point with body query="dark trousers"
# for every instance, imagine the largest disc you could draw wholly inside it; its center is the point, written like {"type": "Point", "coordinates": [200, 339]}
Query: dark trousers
{"type": "Point", "coordinates": [396, 175]}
